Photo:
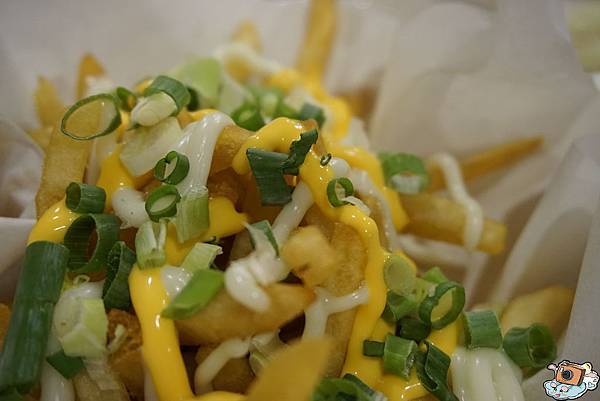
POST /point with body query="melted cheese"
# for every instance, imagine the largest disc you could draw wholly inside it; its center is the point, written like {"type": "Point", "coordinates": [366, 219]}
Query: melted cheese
{"type": "Point", "coordinates": [53, 224]}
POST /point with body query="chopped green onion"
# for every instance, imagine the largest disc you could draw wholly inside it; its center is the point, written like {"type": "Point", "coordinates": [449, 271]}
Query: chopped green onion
{"type": "Point", "coordinates": [127, 99]}
{"type": "Point", "coordinates": [362, 385]}
{"type": "Point", "coordinates": [198, 292]}
{"type": "Point", "coordinates": [79, 237]}
{"type": "Point", "coordinates": [403, 172]}
{"type": "Point", "coordinates": [530, 347]}
{"type": "Point", "coordinates": [298, 151]}
{"type": "Point", "coordinates": [67, 366]}
{"type": "Point", "coordinates": [434, 275]}
{"type": "Point", "coordinates": [310, 111]}
{"type": "Point", "coordinates": [397, 306]}
{"type": "Point", "coordinates": [268, 99]}
{"type": "Point", "coordinates": [149, 244]}
{"type": "Point", "coordinates": [201, 257]}
{"type": "Point", "coordinates": [398, 355]}
{"type": "Point", "coordinates": [268, 172]}
{"type": "Point", "coordinates": [164, 198]}
{"type": "Point", "coordinates": [332, 191]}
{"type": "Point", "coordinates": [399, 275]}
{"type": "Point", "coordinates": [179, 172]}
{"type": "Point", "coordinates": [116, 286]}
{"type": "Point", "coordinates": [412, 329]}
{"type": "Point", "coordinates": [265, 227]}
{"type": "Point", "coordinates": [194, 103]}
{"type": "Point", "coordinates": [91, 117]}
{"type": "Point", "coordinates": [422, 289]}
{"type": "Point", "coordinates": [372, 348]}
{"type": "Point", "coordinates": [86, 336]}
{"type": "Point", "coordinates": [172, 87]}
{"type": "Point", "coordinates": [10, 395]}
{"type": "Point", "coordinates": [432, 370]}
{"type": "Point", "coordinates": [325, 159]}
{"type": "Point", "coordinates": [84, 198]}
{"type": "Point", "coordinates": [429, 303]}
{"type": "Point", "coordinates": [193, 216]}
{"type": "Point", "coordinates": [283, 110]}
{"type": "Point", "coordinates": [205, 76]}
{"type": "Point", "coordinates": [248, 117]}
{"type": "Point", "coordinates": [334, 389]}
{"type": "Point", "coordinates": [482, 329]}
{"type": "Point", "coordinates": [38, 290]}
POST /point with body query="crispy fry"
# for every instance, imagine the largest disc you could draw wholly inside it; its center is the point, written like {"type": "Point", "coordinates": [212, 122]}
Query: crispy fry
{"type": "Point", "coordinates": [489, 160]}
{"type": "Point", "coordinates": [88, 390]}
{"type": "Point", "coordinates": [442, 219]}
{"type": "Point", "coordinates": [230, 141]}
{"type": "Point", "coordinates": [89, 66]}
{"type": "Point", "coordinates": [4, 320]}
{"type": "Point", "coordinates": [310, 256]}
{"type": "Point", "coordinates": [318, 39]}
{"type": "Point", "coordinates": [48, 105]}
{"type": "Point", "coordinates": [361, 101]}
{"type": "Point", "coordinates": [235, 376]}
{"type": "Point", "coordinates": [65, 162]}
{"type": "Point", "coordinates": [241, 245]}
{"type": "Point", "coordinates": [315, 217]}
{"type": "Point", "coordinates": [225, 183]}
{"type": "Point", "coordinates": [41, 136]}
{"type": "Point", "coordinates": [550, 306]}
{"type": "Point", "coordinates": [293, 372]}
{"type": "Point", "coordinates": [225, 318]}
{"type": "Point", "coordinates": [247, 33]}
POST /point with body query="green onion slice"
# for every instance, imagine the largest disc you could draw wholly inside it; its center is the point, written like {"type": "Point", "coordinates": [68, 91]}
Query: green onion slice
{"type": "Point", "coordinates": [91, 117]}
{"type": "Point", "coordinates": [201, 257]}
{"type": "Point", "coordinates": [398, 306]}
{"type": "Point", "coordinates": [205, 76]}
{"type": "Point", "coordinates": [398, 356]}
{"type": "Point", "coordinates": [79, 236]}
{"type": "Point", "coordinates": [195, 102]}
{"type": "Point", "coordinates": [428, 304]}
{"type": "Point", "coordinates": [310, 111]}
{"type": "Point", "coordinates": [149, 244]}
{"type": "Point", "coordinates": [284, 110]}
{"type": "Point", "coordinates": [482, 329]}
{"type": "Point", "coordinates": [412, 329]}
{"type": "Point", "coordinates": [193, 216]}
{"type": "Point", "coordinates": [434, 275]}
{"type": "Point", "coordinates": [268, 172]}
{"type": "Point", "coordinates": [115, 292]}
{"type": "Point", "coordinates": [432, 370]}
{"type": "Point", "coordinates": [84, 198]}
{"type": "Point", "coordinates": [127, 99]}
{"type": "Point", "coordinates": [248, 117]}
{"type": "Point", "coordinates": [10, 395]}
{"type": "Point", "coordinates": [298, 151]}
{"type": "Point", "coordinates": [337, 185]}
{"type": "Point", "coordinates": [265, 227]}
{"type": "Point", "coordinates": [162, 202]}
{"type": "Point", "coordinates": [85, 336]}
{"type": "Point", "coordinates": [325, 159]}
{"type": "Point", "coordinates": [179, 172]}
{"type": "Point", "coordinates": [335, 389]}
{"type": "Point", "coordinates": [399, 275]}
{"type": "Point", "coordinates": [172, 87]}
{"type": "Point", "coordinates": [372, 348]}
{"type": "Point", "coordinates": [67, 366]}
{"type": "Point", "coordinates": [359, 383]}
{"type": "Point", "coordinates": [403, 172]}
{"type": "Point", "coordinates": [530, 347]}
{"type": "Point", "coordinates": [198, 292]}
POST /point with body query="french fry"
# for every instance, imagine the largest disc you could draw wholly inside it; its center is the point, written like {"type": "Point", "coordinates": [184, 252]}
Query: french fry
{"type": "Point", "coordinates": [230, 141]}
{"type": "Point", "coordinates": [235, 376]}
{"type": "Point", "coordinates": [550, 306]}
{"type": "Point", "coordinates": [318, 39]}
{"type": "Point", "coordinates": [489, 160]}
{"type": "Point", "coordinates": [293, 372]}
{"type": "Point", "coordinates": [315, 217]}
{"type": "Point", "coordinates": [241, 245]}
{"type": "Point", "coordinates": [41, 136]}
{"type": "Point", "coordinates": [89, 66]}
{"type": "Point", "coordinates": [247, 33]}
{"type": "Point", "coordinates": [4, 320]}
{"type": "Point", "coordinates": [225, 183]}
{"type": "Point", "coordinates": [225, 318]}
{"type": "Point", "coordinates": [48, 105]}
{"type": "Point", "coordinates": [88, 390]}
{"type": "Point", "coordinates": [442, 219]}
{"type": "Point", "coordinates": [309, 255]}
{"type": "Point", "coordinates": [361, 101]}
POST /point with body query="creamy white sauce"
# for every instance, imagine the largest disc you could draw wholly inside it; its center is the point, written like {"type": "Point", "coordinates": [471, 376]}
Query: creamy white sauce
{"type": "Point", "coordinates": [242, 287]}
{"type": "Point", "coordinates": [292, 213]}
{"type": "Point", "coordinates": [149, 388]}
{"type": "Point", "coordinates": [456, 188]}
{"type": "Point", "coordinates": [214, 362]}
{"type": "Point", "coordinates": [244, 54]}
{"type": "Point", "coordinates": [54, 387]}
{"type": "Point", "coordinates": [129, 206]}
{"type": "Point", "coordinates": [174, 279]}
{"type": "Point", "coordinates": [326, 304]}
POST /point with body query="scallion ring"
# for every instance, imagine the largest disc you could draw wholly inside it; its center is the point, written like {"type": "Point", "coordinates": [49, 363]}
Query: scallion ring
{"type": "Point", "coordinates": [298, 151]}
{"type": "Point", "coordinates": [404, 172]}
{"type": "Point", "coordinates": [530, 347]}
{"type": "Point", "coordinates": [172, 87]}
{"type": "Point", "coordinates": [397, 306]}
{"type": "Point", "coordinates": [372, 348]}
{"type": "Point", "coordinates": [429, 303]}
{"type": "Point", "coordinates": [432, 370]}
{"type": "Point", "coordinates": [84, 198]}
{"type": "Point", "coordinates": [127, 99]}
{"type": "Point", "coordinates": [325, 159]}
{"type": "Point", "coordinates": [115, 292]}
{"type": "Point", "coordinates": [67, 366]}
{"type": "Point", "coordinates": [91, 117]}
{"type": "Point", "coordinates": [482, 329]}
{"type": "Point", "coordinates": [179, 172]}
{"type": "Point", "coordinates": [248, 117]}
{"type": "Point", "coordinates": [398, 355]}
{"type": "Point", "coordinates": [162, 202]}
{"type": "Point", "coordinates": [412, 329]}
{"type": "Point", "coordinates": [332, 191]}
{"type": "Point", "coordinates": [311, 112]}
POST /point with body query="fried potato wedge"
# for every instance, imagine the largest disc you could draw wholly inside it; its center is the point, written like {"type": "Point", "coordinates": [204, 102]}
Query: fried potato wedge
{"type": "Point", "coordinates": [550, 306]}
{"type": "Point", "coordinates": [490, 160]}
{"type": "Point", "coordinates": [361, 100]}
{"type": "Point", "coordinates": [236, 376]}
{"type": "Point", "coordinates": [247, 33]}
{"type": "Point", "coordinates": [241, 246]}
{"type": "Point", "coordinates": [293, 372]}
{"type": "Point", "coordinates": [41, 136]}
{"type": "Point", "coordinates": [48, 104]}
{"type": "Point", "coordinates": [315, 217]}
{"type": "Point", "coordinates": [229, 142]}
{"type": "Point", "coordinates": [225, 183]}
{"type": "Point", "coordinates": [89, 66]}
{"type": "Point", "coordinates": [4, 321]}
{"type": "Point", "coordinates": [438, 218]}
{"type": "Point", "coordinates": [225, 318]}
{"type": "Point", "coordinates": [88, 390]}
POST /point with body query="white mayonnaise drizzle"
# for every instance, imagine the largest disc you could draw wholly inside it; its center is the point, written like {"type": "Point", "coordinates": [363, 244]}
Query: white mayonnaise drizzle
{"type": "Point", "coordinates": [174, 279]}
{"type": "Point", "coordinates": [485, 374]}
{"type": "Point", "coordinates": [456, 187]}
{"type": "Point", "coordinates": [129, 206]}
{"type": "Point", "coordinates": [244, 54]}
{"type": "Point", "coordinates": [149, 388]}
{"type": "Point", "coordinates": [326, 304]}
{"type": "Point", "coordinates": [214, 362]}
{"type": "Point", "coordinates": [292, 213]}
{"type": "Point", "coordinates": [54, 386]}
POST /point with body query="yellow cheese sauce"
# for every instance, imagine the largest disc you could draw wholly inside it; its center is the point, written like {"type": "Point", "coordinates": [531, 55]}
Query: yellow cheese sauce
{"type": "Point", "coordinates": [53, 224]}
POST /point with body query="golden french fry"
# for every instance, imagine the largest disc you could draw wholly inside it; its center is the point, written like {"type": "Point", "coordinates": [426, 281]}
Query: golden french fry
{"type": "Point", "coordinates": [88, 390]}
{"type": "Point", "coordinates": [209, 326]}
{"type": "Point", "coordinates": [489, 160]}
{"type": "Point", "coordinates": [48, 105]}
{"type": "Point", "coordinates": [65, 162]}
{"type": "Point", "coordinates": [293, 372]}
{"type": "Point", "coordinates": [230, 141]}
{"type": "Point", "coordinates": [241, 245]}
{"type": "Point", "coordinates": [247, 33]}
{"type": "Point", "coordinates": [225, 183]}
{"type": "Point", "coordinates": [315, 217]}
{"type": "Point", "coordinates": [4, 320]}
{"type": "Point", "coordinates": [41, 136]}
{"type": "Point", "coordinates": [235, 376]}
{"type": "Point", "coordinates": [309, 255]}
{"type": "Point", "coordinates": [550, 306]}
{"type": "Point", "coordinates": [89, 66]}
{"type": "Point", "coordinates": [442, 219]}
{"type": "Point", "coordinates": [318, 39]}
{"type": "Point", "coordinates": [361, 101]}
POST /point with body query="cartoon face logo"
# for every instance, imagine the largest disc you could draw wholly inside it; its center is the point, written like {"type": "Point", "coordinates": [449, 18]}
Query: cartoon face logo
{"type": "Point", "coordinates": [571, 380]}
